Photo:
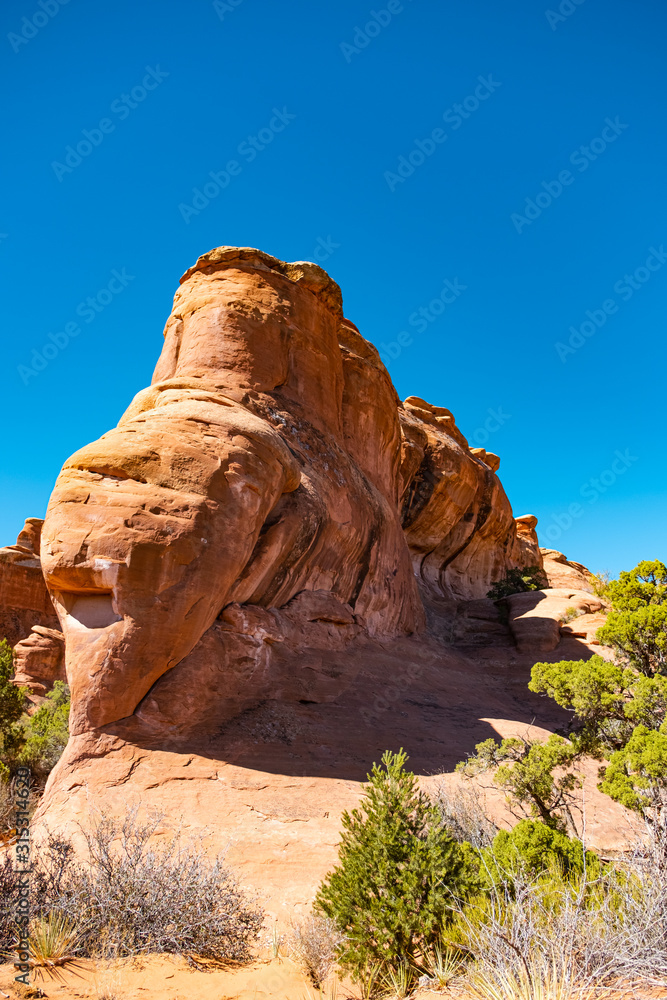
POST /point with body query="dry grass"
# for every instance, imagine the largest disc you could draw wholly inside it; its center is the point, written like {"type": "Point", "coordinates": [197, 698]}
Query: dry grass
{"type": "Point", "coordinates": [537, 980]}
{"type": "Point", "coordinates": [108, 984]}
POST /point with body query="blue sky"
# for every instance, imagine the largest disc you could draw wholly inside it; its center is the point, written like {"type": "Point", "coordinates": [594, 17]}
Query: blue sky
{"type": "Point", "coordinates": [334, 133]}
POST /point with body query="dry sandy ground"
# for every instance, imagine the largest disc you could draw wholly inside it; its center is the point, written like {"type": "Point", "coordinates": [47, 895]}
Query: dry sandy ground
{"type": "Point", "coordinates": [163, 977]}
{"type": "Point", "coordinates": [166, 977]}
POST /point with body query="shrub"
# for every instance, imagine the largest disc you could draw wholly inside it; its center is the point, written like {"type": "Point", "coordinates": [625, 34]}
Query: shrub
{"type": "Point", "coordinates": [133, 897]}
{"type": "Point", "coordinates": [637, 774]}
{"type": "Point", "coordinates": [599, 582]}
{"type": "Point", "coordinates": [595, 690]}
{"type": "Point", "coordinates": [644, 585]}
{"type": "Point", "coordinates": [314, 943]}
{"type": "Point", "coordinates": [12, 704]}
{"type": "Point", "coordinates": [7, 806]}
{"type": "Point", "coordinates": [533, 848]}
{"type": "Point", "coordinates": [36, 740]}
{"type": "Point", "coordinates": [525, 770]}
{"type": "Point", "coordinates": [518, 581]}
{"type": "Point", "coordinates": [46, 732]}
{"type": "Point", "coordinates": [537, 980]}
{"type": "Point", "coordinates": [12, 698]}
{"type": "Point", "coordinates": [595, 930]}
{"type": "Point", "coordinates": [398, 876]}
{"type": "Point", "coordinates": [639, 637]}
{"type": "Point", "coordinates": [620, 708]}
{"type": "Point", "coordinates": [637, 625]}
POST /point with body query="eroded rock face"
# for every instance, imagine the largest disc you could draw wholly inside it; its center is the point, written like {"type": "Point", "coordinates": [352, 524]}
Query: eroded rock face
{"type": "Point", "coordinates": [270, 459]}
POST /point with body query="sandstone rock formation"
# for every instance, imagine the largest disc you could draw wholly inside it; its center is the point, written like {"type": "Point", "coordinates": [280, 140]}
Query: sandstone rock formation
{"type": "Point", "coordinates": [24, 599]}
{"type": "Point", "coordinates": [269, 458]}
{"type": "Point", "coordinates": [271, 571]}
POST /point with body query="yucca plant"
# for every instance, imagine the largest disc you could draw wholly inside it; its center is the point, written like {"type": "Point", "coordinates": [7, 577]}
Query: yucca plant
{"type": "Point", "coordinates": [370, 985]}
{"type": "Point", "coordinates": [398, 982]}
{"type": "Point", "coordinates": [443, 965]}
{"type": "Point", "coordinates": [53, 940]}
{"type": "Point", "coordinates": [276, 942]}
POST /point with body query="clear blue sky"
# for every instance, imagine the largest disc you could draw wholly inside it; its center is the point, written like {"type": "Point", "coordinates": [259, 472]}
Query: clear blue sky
{"type": "Point", "coordinates": [181, 89]}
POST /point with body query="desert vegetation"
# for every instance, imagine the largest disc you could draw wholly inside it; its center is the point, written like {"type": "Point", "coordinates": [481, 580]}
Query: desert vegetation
{"type": "Point", "coordinates": [518, 581]}
{"type": "Point", "coordinates": [425, 885]}
{"type": "Point", "coordinates": [34, 738]}
{"type": "Point", "coordinates": [528, 913]}
{"type": "Point", "coordinates": [428, 890]}
{"type": "Point", "coordinates": [138, 888]}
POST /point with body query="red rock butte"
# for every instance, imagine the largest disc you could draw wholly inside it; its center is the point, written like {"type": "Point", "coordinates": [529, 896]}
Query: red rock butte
{"type": "Point", "coordinates": [272, 570]}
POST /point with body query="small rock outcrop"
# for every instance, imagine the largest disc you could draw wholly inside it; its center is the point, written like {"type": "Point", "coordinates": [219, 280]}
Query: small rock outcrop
{"type": "Point", "coordinates": [538, 618]}
{"type": "Point", "coordinates": [24, 599]}
{"type": "Point", "coordinates": [39, 660]}
{"type": "Point", "coordinates": [457, 519]}
{"type": "Point", "coordinates": [561, 572]}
